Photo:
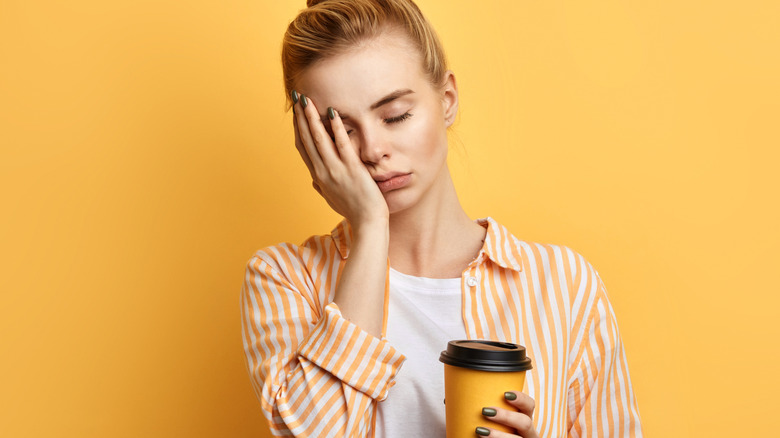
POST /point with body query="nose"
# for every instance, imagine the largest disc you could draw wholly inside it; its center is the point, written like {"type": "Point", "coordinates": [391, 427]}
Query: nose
{"type": "Point", "coordinates": [374, 147]}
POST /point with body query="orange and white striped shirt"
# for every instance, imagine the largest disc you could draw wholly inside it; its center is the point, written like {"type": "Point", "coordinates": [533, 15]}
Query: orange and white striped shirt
{"type": "Point", "coordinates": [317, 374]}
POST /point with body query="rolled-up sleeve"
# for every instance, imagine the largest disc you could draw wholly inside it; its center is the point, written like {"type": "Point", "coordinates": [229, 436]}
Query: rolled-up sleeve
{"type": "Point", "coordinates": [315, 373]}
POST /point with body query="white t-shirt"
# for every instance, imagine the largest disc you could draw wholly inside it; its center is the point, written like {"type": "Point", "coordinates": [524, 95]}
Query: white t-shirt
{"type": "Point", "coordinates": [424, 314]}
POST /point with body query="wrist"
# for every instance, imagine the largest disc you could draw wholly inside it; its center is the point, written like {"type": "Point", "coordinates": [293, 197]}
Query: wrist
{"type": "Point", "coordinates": [373, 228]}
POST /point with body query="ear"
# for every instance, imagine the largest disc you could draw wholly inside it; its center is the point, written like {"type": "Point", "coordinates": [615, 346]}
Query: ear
{"type": "Point", "coordinates": [449, 99]}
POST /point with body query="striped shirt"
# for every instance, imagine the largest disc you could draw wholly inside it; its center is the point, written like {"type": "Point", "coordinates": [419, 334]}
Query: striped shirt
{"type": "Point", "coordinates": [317, 374]}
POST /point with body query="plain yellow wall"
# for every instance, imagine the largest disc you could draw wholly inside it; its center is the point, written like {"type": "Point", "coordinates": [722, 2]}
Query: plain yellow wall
{"type": "Point", "coordinates": [146, 155]}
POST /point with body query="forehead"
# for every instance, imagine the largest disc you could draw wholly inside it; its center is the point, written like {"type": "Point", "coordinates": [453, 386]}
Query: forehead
{"type": "Point", "coordinates": [354, 79]}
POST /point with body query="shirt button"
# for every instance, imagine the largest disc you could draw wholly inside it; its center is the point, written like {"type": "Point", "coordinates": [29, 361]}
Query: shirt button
{"type": "Point", "coordinates": [471, 281]}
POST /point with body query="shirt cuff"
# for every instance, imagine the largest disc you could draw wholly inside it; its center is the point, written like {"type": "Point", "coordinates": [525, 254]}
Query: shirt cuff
{"type": "Point", "coordinates": [354, 356]}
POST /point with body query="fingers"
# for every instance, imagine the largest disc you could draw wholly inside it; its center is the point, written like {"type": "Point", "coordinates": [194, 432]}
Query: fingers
{"type": "Point", "coordinates": [492, 433]}
{"type": "Point", "coordinates": [314, 136]}
{"type": "Point", "coordinates": [521, 423]}
{"type": "Point", "coordinates": [299, 144]}
{"type": "Point", "coordinates": [343, 143]}
{"type": "Point", "coordinates": [337, 172]}
{"type": "Point", "coordinates": [521, 420]}
{"type": "Point", "coordinates": [304, 142]}
{"type": "Point", "coordinates": [521, 401]}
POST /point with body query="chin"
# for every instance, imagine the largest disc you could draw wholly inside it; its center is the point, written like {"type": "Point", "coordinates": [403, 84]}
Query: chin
{"type": "Point", "coordinates": [399, 200]}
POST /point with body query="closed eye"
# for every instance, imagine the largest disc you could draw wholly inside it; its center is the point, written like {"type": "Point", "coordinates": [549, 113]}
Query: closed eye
{"type": "Point", "coordinates": [398, 119]}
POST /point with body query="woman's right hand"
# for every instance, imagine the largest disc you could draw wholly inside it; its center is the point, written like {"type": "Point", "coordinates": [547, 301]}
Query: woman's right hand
{"type": "Point", "coordinates": [337, 172]}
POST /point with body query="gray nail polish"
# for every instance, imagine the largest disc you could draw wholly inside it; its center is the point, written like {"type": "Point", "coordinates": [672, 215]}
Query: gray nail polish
{"type": "Point", "coordinates": [489, 412]}
{"type": "Point", "coordinates": [482, 431]}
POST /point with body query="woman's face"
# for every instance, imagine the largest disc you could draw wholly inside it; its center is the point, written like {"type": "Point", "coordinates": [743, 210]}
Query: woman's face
{"type": "Point", "coordinates": [396, 119]}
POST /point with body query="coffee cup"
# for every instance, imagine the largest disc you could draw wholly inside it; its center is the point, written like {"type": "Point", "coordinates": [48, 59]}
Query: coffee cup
{"type": "Point", "coordinates": [476, 375]}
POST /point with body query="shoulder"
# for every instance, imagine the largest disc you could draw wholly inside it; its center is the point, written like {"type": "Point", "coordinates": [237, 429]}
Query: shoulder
{"type": "Point", "coordinates": [511, 249]}
{"type": "Point", "coordinates": [288, 257]}
{"type": "Point", "coordinates": [547, 263]}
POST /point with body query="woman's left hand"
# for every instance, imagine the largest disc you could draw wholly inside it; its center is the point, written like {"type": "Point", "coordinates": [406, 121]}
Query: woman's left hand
{"type": "Point", "coordinates": [520, 420]}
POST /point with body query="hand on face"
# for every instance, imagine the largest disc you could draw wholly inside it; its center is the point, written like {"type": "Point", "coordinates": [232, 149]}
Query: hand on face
{"type": "Point", "coordinates": [337, 172]}
{"type": "Point", "coordinates": [520, 420]}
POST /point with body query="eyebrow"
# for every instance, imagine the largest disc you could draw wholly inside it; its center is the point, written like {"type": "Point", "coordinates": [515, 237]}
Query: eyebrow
{"type": "Point", "coordinates": [391, 97]}
{"type": "Point", "coordinates": [383, 101]}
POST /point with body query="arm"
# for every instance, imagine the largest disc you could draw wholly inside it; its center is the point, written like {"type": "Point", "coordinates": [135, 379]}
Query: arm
{"type": "Point", "coordinates": [318, 373]}
{"type": "Point", "coordinates": [601, 400]}
{"type": "Point", "coordinates": [342, 179]}
{"type": "Point", "coordinates": [315, 374]}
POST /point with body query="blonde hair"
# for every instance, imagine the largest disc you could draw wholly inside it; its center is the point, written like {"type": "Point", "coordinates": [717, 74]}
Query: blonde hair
{"type": "Point", "coordinates": [329, 27]}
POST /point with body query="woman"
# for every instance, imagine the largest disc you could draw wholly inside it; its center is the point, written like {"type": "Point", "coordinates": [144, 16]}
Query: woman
{"type": "Point", "coordinates": [328, 324]}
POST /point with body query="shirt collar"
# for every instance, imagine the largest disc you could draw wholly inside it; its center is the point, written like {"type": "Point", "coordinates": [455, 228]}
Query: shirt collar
{"type": "Point", "coordinates": [500, 246]}
{"type": "Point", "coordinates": [342, 237]}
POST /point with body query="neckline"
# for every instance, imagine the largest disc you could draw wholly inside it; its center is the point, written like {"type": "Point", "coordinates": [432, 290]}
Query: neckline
{"type": "Point", "coordinates": [424, 283]}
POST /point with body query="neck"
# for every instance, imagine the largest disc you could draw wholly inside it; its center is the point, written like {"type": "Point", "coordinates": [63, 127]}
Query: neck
{"type": "Point", "coordinates": [435, 238]}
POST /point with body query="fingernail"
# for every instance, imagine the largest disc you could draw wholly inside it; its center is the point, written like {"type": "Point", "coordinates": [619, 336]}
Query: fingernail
{"type": "Point", "coordinates": [331, 113]}
{"type": "Point", "coordinates": [489, 412]}
{"type": "Point", "coordinates": [482, 431]}
{"type": "Point", "coordinates": [510, 396]}
{"type": "Point", "coordinates": [304, 101]}
{"type": "Point", "coordinates": [294, 95]}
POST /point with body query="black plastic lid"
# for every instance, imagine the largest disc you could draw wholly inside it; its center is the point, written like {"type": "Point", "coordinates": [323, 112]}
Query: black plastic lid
{"type": "Point", "coordinates": [486, 356]}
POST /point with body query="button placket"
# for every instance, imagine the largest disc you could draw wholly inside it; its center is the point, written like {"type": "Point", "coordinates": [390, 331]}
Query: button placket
{"type": "Point", "coordinates": [471, 279]}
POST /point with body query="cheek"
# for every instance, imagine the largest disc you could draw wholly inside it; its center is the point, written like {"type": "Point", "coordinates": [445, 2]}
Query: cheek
{"type": "Point", "coordinates": [431, 138]}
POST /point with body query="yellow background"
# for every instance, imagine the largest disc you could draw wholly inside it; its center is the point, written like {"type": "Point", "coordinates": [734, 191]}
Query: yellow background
{"type": "Point", "coordinates": [146, 155]}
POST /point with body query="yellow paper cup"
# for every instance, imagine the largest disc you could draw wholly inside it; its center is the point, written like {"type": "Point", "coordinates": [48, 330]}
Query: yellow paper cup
{"type": "Point", "coordinates": [476, 375]}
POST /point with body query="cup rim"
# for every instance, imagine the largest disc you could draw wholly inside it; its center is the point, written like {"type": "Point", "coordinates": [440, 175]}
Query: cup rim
{"type": "Point", "coordinates": [502, 357]}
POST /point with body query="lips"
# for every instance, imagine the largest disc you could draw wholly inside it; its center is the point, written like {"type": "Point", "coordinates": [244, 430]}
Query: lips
{"type": "Point", "coordinates": [392, 181]}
